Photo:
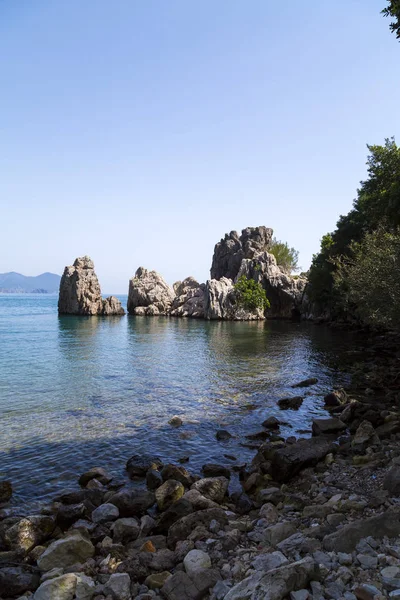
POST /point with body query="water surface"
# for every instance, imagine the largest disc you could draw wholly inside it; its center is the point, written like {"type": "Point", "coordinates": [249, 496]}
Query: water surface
{"type": "Point", "coordinates": [77, 392]}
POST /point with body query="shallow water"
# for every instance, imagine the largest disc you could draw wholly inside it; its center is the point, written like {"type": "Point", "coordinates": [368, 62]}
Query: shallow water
{"type": "Point", "coordinates": [78, 392]}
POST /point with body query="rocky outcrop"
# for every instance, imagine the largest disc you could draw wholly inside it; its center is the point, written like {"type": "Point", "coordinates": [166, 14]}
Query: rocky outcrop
{"type": "Point", "coordinates": [149, 294]}
{"type": "Point", "coordinates": [80, 292]}
{"type": "Point", "coordinates": [220, 302]}
{"type": "Point", "coordinates": [189, 299]}
{"type": "Point", "coordinates": [248, 255]}
{"type": "Point", "coordinates": [232, 249]}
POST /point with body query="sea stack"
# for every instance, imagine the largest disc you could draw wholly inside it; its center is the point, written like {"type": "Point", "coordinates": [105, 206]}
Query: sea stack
{"type": "Point", "coordinates": [80, 292]}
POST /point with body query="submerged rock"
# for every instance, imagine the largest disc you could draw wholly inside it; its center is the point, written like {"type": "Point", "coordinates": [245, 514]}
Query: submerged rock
{"type": "Point", "coordinates": [149, 294]}
{"type": "Point", "coordinates": [80, 292]}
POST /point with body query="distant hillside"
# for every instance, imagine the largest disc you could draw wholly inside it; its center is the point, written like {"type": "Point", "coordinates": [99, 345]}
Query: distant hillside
{"type": "Point", "coordinates": [15, 283]}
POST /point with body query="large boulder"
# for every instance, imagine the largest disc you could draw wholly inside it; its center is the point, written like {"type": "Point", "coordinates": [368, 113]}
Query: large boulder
{"type": "Point", "coordinates": [286, 462]}
{"type": "Point", "coordinates": [15, 580]}
{"type": "Point", "coordinates": [149, 294]}
{"type": "Point", "coordinates": [80, 292]}
{"type": "Point", "coordinates": [28, 532]}
{"type": "Point", "coordinates": [65, 552]}
{"type": "Point", "coordinates": [220, 303]}
{"type": "Point", "coordinates": [189, 299]}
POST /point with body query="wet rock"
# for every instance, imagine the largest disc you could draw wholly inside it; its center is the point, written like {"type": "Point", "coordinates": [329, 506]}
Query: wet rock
{"type": "Point", "coordinates": [29, 532]}
{"type": "Point", "coordinates": [137, 466]}
{"type": "Point", "coordinates": [17, 580]}
{"type": "Point", "coordinates": [95, 473]}
{"type": "Point", "coordinates": [222, 435]}
{"type": "Point", "coordinates": [327, 426]}
{"type": "Point", "coordinates": [153, 479]}
{"type": "Point", "coordinates": [69, 514]}
{"type": "Point", "coordinates": [306, 382]}
{"type": "Point", "coordinates": [275, 584]}
{"type": "Point", "coordinates": [5, 491]}
{"type": "Point", "coordinates": [271, 423]}
{"type": "Point", "coordinates": [132, 502]}
{"type": "Point", "coordinates": [168, 493]}
{"type": "Point", "coordinates": [213, 488]}
{"type": "Point", "coordinates": [212, 470]}
{"type": "Point", "coordinates": [125, 530]}
{"type": "Point", "coordinates": [293, 403]}
{"type": "Point", "coordinates": [178, 473]}
{"type": "Point", "coordinates": [391, 483]}
{"type": "Point", "coordinates": [335, 398]}
{"type": "Point", "coordinates": [60, 588]}
{"type": "Point", "coordinates": [184, 526]}
{"type": "Point", "coordinates": [119, 586]}
{"type": "Point", "coordinates": [149, 294]}
{"type": "Point", "coordinates": [65, 552]}
{"type": "Point", "coordinates": [290, 460]}
{"type": "Point", "coordinates": [346, 539]}
{"type": "Point", "coordinates": [175, 421]}
{"type": "Point", "coordinates": [104, 513]}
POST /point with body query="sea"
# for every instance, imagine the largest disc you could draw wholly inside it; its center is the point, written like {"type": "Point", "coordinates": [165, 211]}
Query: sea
{"type": "Point", "coordinates": [79, 392]}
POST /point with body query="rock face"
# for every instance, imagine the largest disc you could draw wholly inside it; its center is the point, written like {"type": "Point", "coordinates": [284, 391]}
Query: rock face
{"type": "Point", "coordinates": [220, 302]}
{"type": "Point", "coordinates": [189, 299]}
{"type": "Point", "coordinates": [80, 292]}
{"type": "Point", "coordinates": [248, 255]}
{"type": "Point", "coordinates": [149, 294]}
{"type": "Point", "coordinates": [232, 249]}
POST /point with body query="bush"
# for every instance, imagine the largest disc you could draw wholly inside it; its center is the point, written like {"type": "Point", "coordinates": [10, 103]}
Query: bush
{"type": "Point", "coordinates": [369, 282]}
{"type": "Point", "coordinates": [286, 258]}
{"type": "Point", "coordinates": [250, 294]}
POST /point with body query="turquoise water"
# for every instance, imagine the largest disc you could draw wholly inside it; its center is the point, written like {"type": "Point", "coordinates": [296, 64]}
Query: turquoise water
{"type": "Point", "coordinates": [77, 392]}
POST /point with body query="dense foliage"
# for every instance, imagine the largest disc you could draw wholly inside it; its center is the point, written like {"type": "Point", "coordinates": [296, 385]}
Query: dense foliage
{"type": "Point", "coordinates": [393, 11]}
{"type": "Point", "coordinates": [287, 258]}
{"type": "Point", "coordinates": [370, 281]}
{"type": "Point", "coordinates": [250, 294]}
{"type": "Point", "coordinates": [377, 207]}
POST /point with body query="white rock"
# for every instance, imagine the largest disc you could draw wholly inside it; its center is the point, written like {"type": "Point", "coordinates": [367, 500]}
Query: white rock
{"type": "Point", "coordinates": [196, 560]}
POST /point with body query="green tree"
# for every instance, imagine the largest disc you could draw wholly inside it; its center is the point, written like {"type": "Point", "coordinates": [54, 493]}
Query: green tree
{"type": "Point", "coordinates": [377, 205]}
{"type": "Point", "coordinates": [369, 282]}
{"type": "Point", "coordinates": [250, 294]}
{"type": "Point", "coordinates": [287, 258]}
{"type": "Point", "coordinates": [393, 11]}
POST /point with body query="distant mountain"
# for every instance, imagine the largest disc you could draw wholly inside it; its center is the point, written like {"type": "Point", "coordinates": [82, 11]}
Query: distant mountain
{"type": "Point", "coordinates": [15, 283]}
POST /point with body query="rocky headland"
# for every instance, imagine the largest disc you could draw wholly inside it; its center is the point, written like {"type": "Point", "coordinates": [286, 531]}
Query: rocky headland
{"type": "Point", "coordinates": [314, 518]}
{"type": "Point", "coordinates": [234, 256]}
{"type": "Point", "coordinates": [80, 292]}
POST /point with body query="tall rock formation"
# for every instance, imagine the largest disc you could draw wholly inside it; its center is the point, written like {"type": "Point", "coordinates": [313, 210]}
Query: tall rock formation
{"type": "Point", "coordinates": [149, 294]}
{"type": "Point", "coordinates": [189, 299]}
{"type": "Point", "coordinates": [248, 255]}
{"type": "Point", "coordinates": [220, 302]}
{"type": "Point", "coordinates": [80, 292]}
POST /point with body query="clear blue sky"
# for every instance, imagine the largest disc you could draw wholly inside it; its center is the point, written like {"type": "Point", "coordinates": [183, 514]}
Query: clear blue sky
{"type": "Point", "coordinates": [139, 132]}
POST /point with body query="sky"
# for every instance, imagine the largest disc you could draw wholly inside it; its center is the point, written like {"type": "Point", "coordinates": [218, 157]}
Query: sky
{"type": "Point", "coordinates": [140, 132]}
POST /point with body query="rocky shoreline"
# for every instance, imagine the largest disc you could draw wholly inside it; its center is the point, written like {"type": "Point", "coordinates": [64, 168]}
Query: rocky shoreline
{"type": "Point", "coordinates": [315, 518]}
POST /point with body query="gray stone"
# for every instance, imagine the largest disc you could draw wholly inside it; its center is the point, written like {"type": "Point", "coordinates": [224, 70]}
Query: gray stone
{"type": "Point", "coordinates": [279, 532]}
{"type": "Point", "coordinates": [85, 587]}
{"type": "Point", "coordinates": [299, 595]}
{"type": "Point", "coordinates": [149, 294]}
{"type": "Point", "coordinates": [367, 561]}
{"type": "Point", "coordinates": [196, 560]}
{"type": "Point", "coordinates": [392, 481]}
{"type": "Point", "coordinates": [132, 502]}
{"type": "Point", "coordinates": [138, 465]}
{"type": "Point", "coordinates": [179, 586]}
{"type": "Point", "coordinates": [327, 426]}
{"type": "Point", "coordinates": [213, 488]}
{"type": "Point", "coordinates": [74, 548]}
{"type": "Point", "coordinates": [95, 473]}
{"type": "Point", "coordinates": [346, 539]}
{"type": "Point", "coordinates": [119, 586]}
{"type": "Point", "coordinates": [267, 562]}
{"type": "Point", "coordinates": [290, 460]}
{"type": "Point", "coordinates": [17, 580]}
{"type": "Point", "coordinates": [275, 584]}
{"type": "Point", "coordinates": [169, 493]}
{"type": "Point", "coordinates": [80, 292]}
{"type": "Point", "coordinates": [29, 532]}
{"type": "Point", "coordinates": [184, 526]}
{"type": "Point", "coordinates": [105, 512]}
{"type": "Point", "coordinates": [58, 588]}
{"type": "Point", "coordinates": [125, 530]}
{"type": "Point", "coordinates": [220, 302]}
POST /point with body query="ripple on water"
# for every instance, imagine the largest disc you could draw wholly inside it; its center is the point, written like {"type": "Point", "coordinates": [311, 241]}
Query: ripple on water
{"type": "Point", "coordinates": [78, 392]}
